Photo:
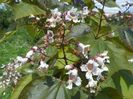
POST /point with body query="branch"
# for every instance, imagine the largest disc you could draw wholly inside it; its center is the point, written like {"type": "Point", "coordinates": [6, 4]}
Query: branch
{"type": "Point", "coordinates": [63, 47]}
{"type": "Point", "coordinates": [100, 23]}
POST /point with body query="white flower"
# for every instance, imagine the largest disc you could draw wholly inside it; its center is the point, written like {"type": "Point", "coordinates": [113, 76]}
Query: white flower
{"type": "Point", "coordinates": [83, 68]}
{"type": "Point", "coordinates": [55, 18]}
{"type": "Point", "coordinates": [35, 48]}
{"type": "Point", "coordinates": [17, 1]}
{"type": "Point", "coordinates": [73, 72]}
{"type": "Point", "coordinates": [83, 49]}
{"type": "Point", "coordinates": [68, 67]}
{"type": "Point", "coordinates": [52, 22]}
{"type": "Point", "coordinates": [31, 52]}
{"type": "Point", "coordinates": [104, 53]}
{"type": "Point", "coordinates": [50, 36]}
{"type": "Point", "coordinates": [55, 12]}
{"type": "Point", "coordinates": [102, 59]}
{"type": "Point", "coordinates": [130, 60]}
{"type": "Point", "coordinates": [73, 78]}
{"type": "Point", "coordinates": [89, 66]}
{"type": "Point", "coordinates": [92, 85]}
{"type": "Point", "coordinates": [32, 16]}
{"type": "Point", "coordinates": [22, 60]}
{"type": "Point", "coordinates": [89, 75]}
{"type": "Point", "coordinates": [72, 15]}
{"type": "Point", "coordinates": [37, 18]}
{"type": "Point", "coordinates": [85, 10]}
{"type": "Point", "coordinates": [43, 65]}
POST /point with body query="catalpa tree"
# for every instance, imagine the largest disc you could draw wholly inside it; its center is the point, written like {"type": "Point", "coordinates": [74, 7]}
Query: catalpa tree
{"type": "Point", "coordinates": [79, 51]}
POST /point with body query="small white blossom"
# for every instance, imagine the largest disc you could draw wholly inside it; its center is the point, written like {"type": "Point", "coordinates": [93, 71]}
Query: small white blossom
{"type": "Point", "coordinates": [43, 65]}
{"type": "Point", "coordinates": [37, 18]}
{"type": "Point", "coordinates": [50, 36]}
{"type": "Point", "coordinates": [17, 1]}
{"type": "Point", "coordinates": [55, 12]}
{"type": "Point", "coordinates": [68, 67]}
{"type": "Point", "coordinates": [73, 78]}
{"type": "Point", "coordinates": [130, 60]}
{"type": "Point", "coordinates": [22, 60]}
{"type": "Point", "coordinates": [72, 15]}
{"type": "Point", "coordinates": [102, 59]}
{"type": "Point", "coordinates": [31, 52]}
{"type": "Point", "coordinates": [55, 18]}
{"type": "Point", "coordinates": [32, 16]}
{"type": "Point", "coordinates": [92, 85]}
{"type": "Point", "coordinates": [83, 49]}
{"type": "Point", "coordinates": [85, 10]}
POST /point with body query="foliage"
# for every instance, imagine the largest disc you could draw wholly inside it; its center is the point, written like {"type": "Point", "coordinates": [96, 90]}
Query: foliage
{"type": "Point", "coordinates": [56, 44]}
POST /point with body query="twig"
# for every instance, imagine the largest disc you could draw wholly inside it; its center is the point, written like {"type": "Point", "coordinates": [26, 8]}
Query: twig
{"type": "Point", "coordinates": [100, 23]}
{"type": "Point", "coordinates": [63, 48]}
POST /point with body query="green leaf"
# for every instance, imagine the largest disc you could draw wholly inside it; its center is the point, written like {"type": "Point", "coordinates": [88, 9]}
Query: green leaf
{"type": "Point", "coordinates": [69, 1]}
{"type": "Point", "coordinates": [51, 51]}
{"type": "Point", "coordinates": [71, 58]}
{"type": "Point", "coordinates": [89, 3]}
{"type": "Point", "coordinates": [126, 36]}
{"type": "Point", "coordinates": [16, 44]}
{"type": "Point", "coordinates": [78, 30]}
{"type": "Point", "coordinates": [126, 91]}
{"type": "Point", "coordinates": [24, 9]}
{"type": "Point", "coordinates": [7, 36]}
{"type": "Point", "coordinates": [50, 88]}
{"type": "Point", "coordinates": [105, 30]}
{"type": "Point", "coordinates": [123, 82]}
{"type": "Point", "coordinates": [109, 93]}
{"type": "Point", "coordinates": [6, 93]}
{"type": "Point", "coordinates": [45, 89]}
{"type": "Point", "coordinates": [20, 86]}
{"type": "Point", "coordinates": [1, 1]}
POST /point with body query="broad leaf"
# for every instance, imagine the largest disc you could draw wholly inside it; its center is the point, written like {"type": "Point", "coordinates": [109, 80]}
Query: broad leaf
{"type": "Point", "coordinates": [126, 36]}
{"type": "Point", "coordinates": [20, 86]}
{"type": "Point", "coordinates": [126, 91]}
{"type": "Point", "coordinates": [49, 88]}
{"type": "Point", "coordinates": [24, 9]}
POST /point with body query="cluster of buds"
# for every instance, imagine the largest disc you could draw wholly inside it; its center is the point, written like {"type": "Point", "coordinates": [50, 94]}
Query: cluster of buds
{"type": "Point", "coordinates": [76, 16]}
{"type": "Point", "coordinates": [48, 38]}
{"type": "Point", "coordinates": [10, 76]}
{"type": "Point", "coordinates": [73, 76]}
{"type": "Point", "coordinates": [95, 68]}
{"type": "Point", "coordinates": [28, 57]}
{"type": "Point", "coordinates": [55, 18]}
{"type": "Point", "coordinates": [73, 15]}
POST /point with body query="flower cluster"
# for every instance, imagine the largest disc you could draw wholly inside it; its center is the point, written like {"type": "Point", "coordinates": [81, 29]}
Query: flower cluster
{"type": "Point", "coordinates": [95, 69]}
{"type": "Point", "coordinates": [73, 15]}
{"type": "Point", "coordinates": [49, 37]}
{"type": "Point", "coordinates": [11, 76]}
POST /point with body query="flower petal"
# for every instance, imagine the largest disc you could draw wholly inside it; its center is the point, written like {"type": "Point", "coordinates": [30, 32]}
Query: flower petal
{"type": "Point", "coordinates": [78, 81]}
